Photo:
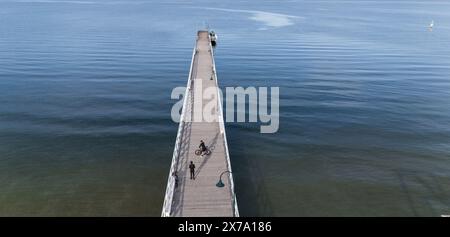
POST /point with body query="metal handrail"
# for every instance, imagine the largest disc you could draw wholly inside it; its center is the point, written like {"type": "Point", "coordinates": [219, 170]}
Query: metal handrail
{"type": "Point", "coordinates": [170, 189]}
{"type": "Point", "coordinates": [222, 130]}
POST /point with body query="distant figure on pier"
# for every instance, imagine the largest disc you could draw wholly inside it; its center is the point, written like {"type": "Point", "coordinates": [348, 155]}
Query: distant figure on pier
{"type": "Point", "coordinates": [175, 176]}
{"type": "Point", "coordinates": [202, 147]}
{"type": "Point", "coordinates": [192, 169]}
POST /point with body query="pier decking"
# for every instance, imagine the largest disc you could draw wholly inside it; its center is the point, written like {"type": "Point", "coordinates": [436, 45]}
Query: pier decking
{"type": "Point", "coordinates": [201, 197]}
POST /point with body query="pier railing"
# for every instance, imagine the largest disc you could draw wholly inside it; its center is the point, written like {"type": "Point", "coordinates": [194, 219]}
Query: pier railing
{"type": "Point", "coordinates": [170, 189]}
{"type": "Point", "coordinates": [222, 131]}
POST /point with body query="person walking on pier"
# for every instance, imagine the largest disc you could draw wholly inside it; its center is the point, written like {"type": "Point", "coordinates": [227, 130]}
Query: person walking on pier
{"type": "Point", "coordinates": [175, 176]}
{"type": "Point", "coordinates": [192, 169]}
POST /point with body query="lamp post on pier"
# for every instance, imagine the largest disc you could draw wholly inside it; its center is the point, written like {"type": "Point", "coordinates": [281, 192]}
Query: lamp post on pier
{"type": "Point", "coordinates": [220, 184]}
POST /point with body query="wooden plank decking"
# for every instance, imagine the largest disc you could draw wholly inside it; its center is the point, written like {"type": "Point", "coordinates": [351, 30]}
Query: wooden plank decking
{"type": "Point", "coordinates": [201, 197]}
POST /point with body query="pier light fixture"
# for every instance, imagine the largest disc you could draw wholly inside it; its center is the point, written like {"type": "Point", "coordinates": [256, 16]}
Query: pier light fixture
{"type": "Point", "coordinates": [220, 184]}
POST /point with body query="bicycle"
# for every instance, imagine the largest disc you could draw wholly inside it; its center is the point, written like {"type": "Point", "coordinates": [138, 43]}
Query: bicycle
{"type": "Point", "coordinates": [200, 152]}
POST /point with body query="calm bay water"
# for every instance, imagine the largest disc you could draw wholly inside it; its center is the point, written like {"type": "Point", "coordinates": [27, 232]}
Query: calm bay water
{"type": "Point", "coordinates": [85, 127]}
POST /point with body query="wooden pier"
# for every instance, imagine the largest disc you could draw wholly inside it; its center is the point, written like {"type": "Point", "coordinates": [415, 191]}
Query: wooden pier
{"type": "Point", "coordinates": [201, 197]}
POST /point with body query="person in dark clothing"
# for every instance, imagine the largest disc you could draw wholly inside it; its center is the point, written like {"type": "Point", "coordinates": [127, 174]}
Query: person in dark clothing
{"type": "Point", "coordinates": [192, 168]}
{"type": "Point", "coordinates": [202, 146]}
{"type": "Point", "coordinates": [175, 176]}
